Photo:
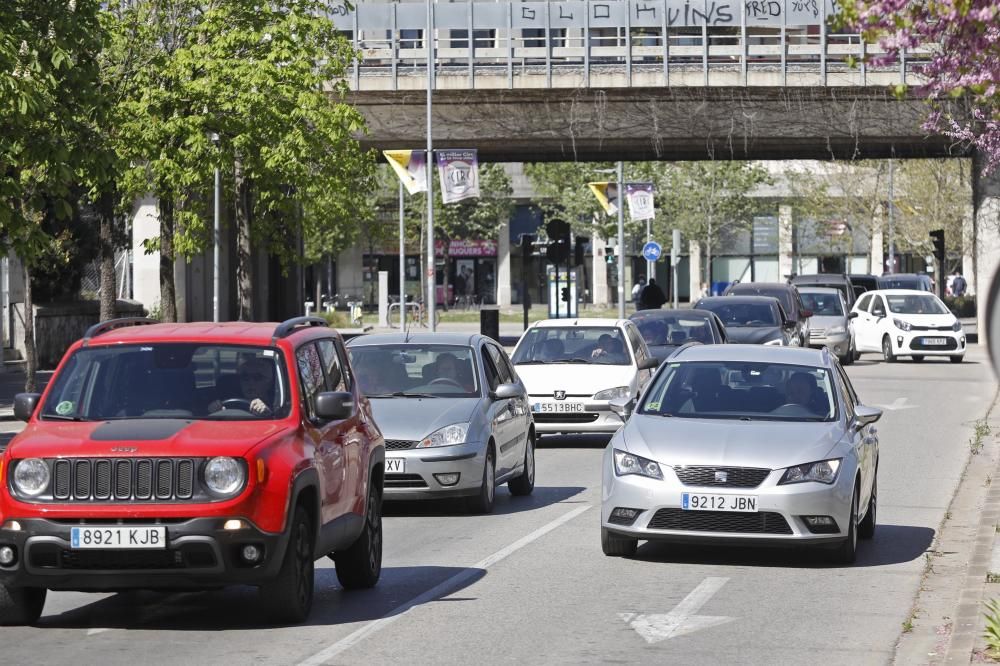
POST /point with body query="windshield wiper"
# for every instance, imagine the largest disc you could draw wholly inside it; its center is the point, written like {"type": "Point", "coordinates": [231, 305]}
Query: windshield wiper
{"type": "Point", "coordinates": [535, 362]}
{"type": "Point", "coordinates": [61, 417]}
{"type": "Point", "coordinates": [403, 394]}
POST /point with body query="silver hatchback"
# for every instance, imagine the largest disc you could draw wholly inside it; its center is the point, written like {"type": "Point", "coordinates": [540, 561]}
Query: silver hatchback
{"type": "Point", "coordinates": [453, 412]}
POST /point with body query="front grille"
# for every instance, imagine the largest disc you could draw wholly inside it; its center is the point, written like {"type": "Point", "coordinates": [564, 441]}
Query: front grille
{"type": "Point", "coordinates": [720, 521]}
{"type": "Point", "coordinates": [736, 477]}
{"type": "Point", "coordinates": [566, 418]}
{"type": "Point", "coordinates": [404, 481]}
{"type": "Point", "coordinates": [123, 479]}
{"type": "Point", "coordinates": [930, 328]}
{"type": "Point", "coordinates": [399, 444]}
{"type": "Point", "coordinates": [189, 556]}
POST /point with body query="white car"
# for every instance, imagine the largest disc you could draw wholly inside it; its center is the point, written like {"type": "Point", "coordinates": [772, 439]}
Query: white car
{"type": "Point", "coordinates": [573, 368]}
{"type": "Point", "coordinates": [907, 322]}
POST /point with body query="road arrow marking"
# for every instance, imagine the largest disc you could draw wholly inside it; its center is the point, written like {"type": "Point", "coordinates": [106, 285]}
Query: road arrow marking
{"type": "Point", "coordinates": [682, 619]}
{"type": "Point", "coordinates": [898, 403]}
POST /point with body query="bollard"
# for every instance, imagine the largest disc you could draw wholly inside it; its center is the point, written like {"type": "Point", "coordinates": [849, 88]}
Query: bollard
{"type": "Point", "coordinates": [489, 322]}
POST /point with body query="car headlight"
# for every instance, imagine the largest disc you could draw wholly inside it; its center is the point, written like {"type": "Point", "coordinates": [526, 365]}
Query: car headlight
{"type": "Point", "coordinates": [836, 330]}
{"type": "Point", "coordinates": [957, 326]}
{"type": "Point", "coordinates": [446, 436]}
{"type": "Point", "coordinates": [224, 476]}
{"type": "Point", "coordinates": [612, 393]}
{"type": "Point", "coordinates": [902, 325]}
{"type": "Point", "coordinates": [778, 342]}
{"type": "Point", "coordinates": [628, 463]}
{"type": "Point", "coordinates": [31, 476]}
{"type": "Point", "coordinates": [823, 471]}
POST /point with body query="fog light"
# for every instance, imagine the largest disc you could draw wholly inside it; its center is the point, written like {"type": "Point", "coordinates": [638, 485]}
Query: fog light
{"type": "Point", "coordinates": [963, 341]}
{"type": "Point", "coordinates": [233, 525]}
{"type": "Point", "coordinates": [821, 524]}
{"type": "Point", "coordinates": [899, 341]}
{"type": "Point", "coordinates": [7, 556]}
{"type": "Point", "coordinates": [251, 553]}
{"type": "Point", "coordinates": [624, 516]}
{"type": "Point", "coordinates": [12, 525]}
{"type": "Point", "coordinates": [449, 479]}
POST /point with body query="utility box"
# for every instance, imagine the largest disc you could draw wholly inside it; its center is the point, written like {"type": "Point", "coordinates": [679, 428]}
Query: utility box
{"type": "Point", "coordinates": [489, 322]}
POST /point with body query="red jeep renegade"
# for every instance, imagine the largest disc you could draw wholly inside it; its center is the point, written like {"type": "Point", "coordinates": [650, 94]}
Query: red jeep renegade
{"type": "Point", "coordinates": [192, 456]}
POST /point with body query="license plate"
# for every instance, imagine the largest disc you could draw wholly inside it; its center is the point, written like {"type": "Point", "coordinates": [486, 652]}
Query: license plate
{"type": "Point", "coordinates": [395, 465]}
{"type": "Point", "coordinates": [709, 502]}
{"type": "Point", "coordinates": [118, 538]}
{"type": "Point", "coordinates": [936, 341]}
{"type": "Point", "coordinates": [557, 407]}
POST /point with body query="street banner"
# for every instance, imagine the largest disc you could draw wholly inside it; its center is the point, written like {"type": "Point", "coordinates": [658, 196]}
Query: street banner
{"type": "Point", "coordinates": [640, 201]}
{"type": "Point", "coordinates": [459, 174]}
{"type": "Point", "coordinates": [607, 196]}
{"type": "Point", "coordinates": [410, 166]}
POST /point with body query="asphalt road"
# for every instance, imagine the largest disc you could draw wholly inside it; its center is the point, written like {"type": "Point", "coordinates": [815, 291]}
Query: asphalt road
{"type": "Point", "coordinates": [529, 583]}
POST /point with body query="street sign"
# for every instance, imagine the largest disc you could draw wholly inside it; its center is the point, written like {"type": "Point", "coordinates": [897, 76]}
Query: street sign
{"type": "Point", "coordinates": [652, 251]}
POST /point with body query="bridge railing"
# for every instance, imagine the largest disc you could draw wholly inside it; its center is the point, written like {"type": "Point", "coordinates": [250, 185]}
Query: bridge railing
{"type": "Point", "coordinates": [624, 48]}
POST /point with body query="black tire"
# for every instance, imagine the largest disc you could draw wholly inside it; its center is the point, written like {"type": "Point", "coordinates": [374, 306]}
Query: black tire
{"type": "Point", "coordinates": [847, 551]}
{"type": "Point", "coordinates": [917, 358]}
{"type": "Point", "coordinates": [483, 501]}
{"type": "Point", "coordinates": [957, 359]}
{"type": "Point", "coordinates": [851, 354]}
{"type": "Point", "coordinates": [614, 545]}
{"type": "Point", "coordinates": [522, 485]}
{"type": "Point", "coordinates": [21, 605]}
{"type": "Point", "coordinates": [289, 596]}
{"type": "Point", "coordinates": [866, 529]}
{"type": "Point", "coordinates": [887, 354]}
{"type": "Point", "coordinates": [360, 566]}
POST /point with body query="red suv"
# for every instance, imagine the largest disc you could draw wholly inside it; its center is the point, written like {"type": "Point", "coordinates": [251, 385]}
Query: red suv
{"type": "Point", "coordinates": [192, 456]}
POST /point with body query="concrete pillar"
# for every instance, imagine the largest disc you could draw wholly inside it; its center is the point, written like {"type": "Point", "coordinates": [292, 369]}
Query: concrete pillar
{"type": "Point", "coordinates": [601, 296]}
{"type": "Point", "coordinates": [383, 299]}
{"type": "Point", "coordinates": [968, 266]}
{"type": "Point", "coordinates": [785, 244]}
{"type": "Point", "coordinates": [503, 267]}
{"type": "Point", "coordinates": [145, 267]}
{"type": "Point", "coordinates": [986, 207]}
{"type": "Point", "coordinates": [694, 272]}
{"type": "Point", "coordinates": [876, 262]}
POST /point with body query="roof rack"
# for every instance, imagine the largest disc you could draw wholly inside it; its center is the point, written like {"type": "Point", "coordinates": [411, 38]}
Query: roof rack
{"type": "Point", "coordinates": [286, 327]}
{"type": "Point", "coordinates": [112, 324]}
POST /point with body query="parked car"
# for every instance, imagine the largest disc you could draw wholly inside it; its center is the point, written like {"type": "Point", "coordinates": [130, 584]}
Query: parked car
{"type": "Point", "coordinates": [193, 456]}
{"type": "Point", "coordinates": [756, 320]}
{"type": "Point", "coordinates": [454, 414]}
{"type": "Point", "coordinates": [916, 281]}
{"type": "Point", "coordinates": [836, 280]}
{"type": "Point", "coordinates": [832, 324]}
{"type": "Point", "coordinates": [573, 368]}
{"type": "Point", "coordinates": [789, 297]}
{"type": "Point", "coordinates": [863, 282]}
{"type": "Point", "coordinates": [907, 322]}
{"type": "Point", "coordinates": [762, 445]}
{"type": "Point", "coordinates": [666, 330]}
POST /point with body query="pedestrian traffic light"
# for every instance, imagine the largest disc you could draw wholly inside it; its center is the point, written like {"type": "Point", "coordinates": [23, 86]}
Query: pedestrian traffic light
{"type": "Point", "coordinates": [938, 238]}
{"type": "Point", "coordinates": [565, 294]}
{"type": "Point", "coordinates": [557, 251]}
{"type": "Point", "coordinates": [579, 247]}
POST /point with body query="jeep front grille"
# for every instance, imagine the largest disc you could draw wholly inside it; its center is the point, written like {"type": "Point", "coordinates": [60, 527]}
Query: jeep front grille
{"type": "Point", "coordinates": [123, 479]}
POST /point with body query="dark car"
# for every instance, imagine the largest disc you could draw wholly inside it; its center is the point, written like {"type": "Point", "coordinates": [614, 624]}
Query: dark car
{"type": "Point", "coordinates": [789, 297]}
{"type": "Point", "coordinates": [666, 330]}
{"type": "Point", "coordinates": [755, 320]}
{"type": "Point", "coordinates": [906, 281]}
{"type": "Point", "coordinates": [835, 280]}
{"type": "Point", "coordinates": [864, 282]}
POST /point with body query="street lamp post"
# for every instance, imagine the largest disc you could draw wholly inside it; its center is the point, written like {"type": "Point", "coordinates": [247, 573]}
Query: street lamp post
{"type": "Point", "coordinates": [215, 238]}
{"type": "Point", "coordinates": [621, 240]}
{"type": "Point", "coordinates": [429, 165]}
{"type": "Point", "coordinates": [402, 261]}
{"type": "Point", "coordinates": [892, 240]}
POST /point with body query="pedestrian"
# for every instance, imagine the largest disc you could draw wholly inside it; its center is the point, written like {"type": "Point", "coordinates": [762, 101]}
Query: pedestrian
{"type": "Point", "coordinates": [651, 297]}
{"type": "Point", "coordinates": [637, 290]}
{"type": "Point", "coordinates": [459, 287]}
{"type": "Point", "coordinates": [958, 284]}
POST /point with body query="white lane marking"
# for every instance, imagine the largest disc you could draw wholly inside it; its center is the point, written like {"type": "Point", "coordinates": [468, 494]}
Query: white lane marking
{"type": "Point", "coordinates": [439, 590]}
{"type": "Point", "coordinates": [898, 403]}
{"type": "Point", "coordinates": [682, 619]}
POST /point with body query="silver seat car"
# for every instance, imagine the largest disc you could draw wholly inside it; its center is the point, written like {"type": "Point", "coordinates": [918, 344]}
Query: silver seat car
{"type": "Point", "coordinates": [739, 444]}
{"type": "Point", "coordinates": [453, 412]}
{"type": "Point", "coordinates": [831, 324]}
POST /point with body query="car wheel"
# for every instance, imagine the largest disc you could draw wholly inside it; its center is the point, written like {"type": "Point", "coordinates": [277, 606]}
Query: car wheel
{"type": "Point", "coordinates": [21, 605]}
{"type": "Point", "coordinates": [887, 354]}
{"type": "Point", "coordinates": [524, 484]}
{"type": "Point", "coordinates": [956, 359]}
{"type": "Point", "coordinates": [847, 551]}
{"type": "Point", "coordinates": [866, 530]}
{"type": "Point", "coordinates": [917, 358]}
{"type": "Point", "coordinates": [614, 545]}
{"type": "Point", "coordinates": [289, 595]}
{"type": "Point", "coordinates": [483, 501]}
{"type": "Point", "coordinates": [360, 566]}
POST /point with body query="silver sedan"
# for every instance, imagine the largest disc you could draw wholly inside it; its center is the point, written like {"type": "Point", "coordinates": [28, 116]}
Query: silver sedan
{"type": "Point", "coordinates": [453, 412]}
{"type": "Point", "coordinates": [740, 444]}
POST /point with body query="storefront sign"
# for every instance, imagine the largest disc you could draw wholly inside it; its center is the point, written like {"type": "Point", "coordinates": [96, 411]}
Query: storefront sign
{"type": "Point", "coordinates": [467, 248]}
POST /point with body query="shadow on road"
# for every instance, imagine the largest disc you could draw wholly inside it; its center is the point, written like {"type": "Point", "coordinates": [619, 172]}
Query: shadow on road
{"type": "Point", "coordinates": [242, 608]}
{"type": "Point", "coordinates": [506, 503]}
{"type": "Point", "coordinates": [893, 544]}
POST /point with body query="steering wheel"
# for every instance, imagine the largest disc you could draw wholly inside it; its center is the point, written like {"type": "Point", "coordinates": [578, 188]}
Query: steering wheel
{"type": "Point", "coordinates": [236, 403]}
{"type": "Point", "coordinates": [443, 380]}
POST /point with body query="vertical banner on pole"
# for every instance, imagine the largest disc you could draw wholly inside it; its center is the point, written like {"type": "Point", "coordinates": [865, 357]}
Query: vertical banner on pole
{"type": "Point", "coordinates": [607, 196]}
{"type": "Point", "coordinates": [459, 174]}
{"type": "Point", "coordinates": [410, 166]}
{"type": "Point", "coordinates": [640, 201]}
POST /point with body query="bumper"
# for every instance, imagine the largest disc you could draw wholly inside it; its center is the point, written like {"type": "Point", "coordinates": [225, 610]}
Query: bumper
{"type": "Point", "coordinates": [906, 343]}
{"type": "Point", "coordinates": [596, 417]}
{"type": "Point", "coordinates": [779, 519]}
{"type": "Point", "coordinates": [837, 344]}
{"type": "Point", "coordinates": [418, 481]}
{"type": "Point", "coordinates": [199, 554]}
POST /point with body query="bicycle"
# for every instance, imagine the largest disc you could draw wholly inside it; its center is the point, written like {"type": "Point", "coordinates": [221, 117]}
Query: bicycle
{"type": "Point", "coordinates": [415, 314]}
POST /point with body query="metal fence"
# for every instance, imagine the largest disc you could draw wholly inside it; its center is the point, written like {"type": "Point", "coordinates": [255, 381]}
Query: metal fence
{"type": "Point", "coordinates": [90, 284]}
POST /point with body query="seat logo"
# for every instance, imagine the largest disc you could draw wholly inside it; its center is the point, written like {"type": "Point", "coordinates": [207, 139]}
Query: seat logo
{"type": "Point", "coordinates": [721, 476]}
{"type": "Point", "coordinates": [559, 395]}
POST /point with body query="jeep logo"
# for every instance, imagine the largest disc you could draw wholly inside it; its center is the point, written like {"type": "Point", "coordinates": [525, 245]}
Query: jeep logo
{"type": "Point", "coordinates": [124, 449]}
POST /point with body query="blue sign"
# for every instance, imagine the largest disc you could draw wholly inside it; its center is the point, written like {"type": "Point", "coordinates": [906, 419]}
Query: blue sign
{"type": "Point", "coordinates": [651, 251]}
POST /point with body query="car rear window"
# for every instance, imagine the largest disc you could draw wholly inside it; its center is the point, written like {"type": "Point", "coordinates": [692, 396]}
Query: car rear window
{"type": "Point", "coordinates": [601, 345]}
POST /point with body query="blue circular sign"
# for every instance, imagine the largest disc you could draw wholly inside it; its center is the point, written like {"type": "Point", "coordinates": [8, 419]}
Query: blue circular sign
{"type": "Point", "coordinates": [651, 251]}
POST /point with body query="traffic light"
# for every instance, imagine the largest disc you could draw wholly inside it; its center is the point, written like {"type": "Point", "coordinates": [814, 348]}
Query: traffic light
{"type": "Point", "coordinates": [581, 244]}
{"type": "Point", "coordinates": [565, 294]}
{"type": "Point", "coordinates": [938, 238]}
{"type": "Point", "coordinates": [557, 251]}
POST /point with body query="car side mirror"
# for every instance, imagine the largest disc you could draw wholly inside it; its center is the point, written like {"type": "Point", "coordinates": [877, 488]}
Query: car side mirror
{"type": "Point", "coordinates": [879, 313]}
{"type": "Point", "coordinates": [334, 405]}
{"type": "Point", "coordinates": [650, 363]}
{"type": "Point", "coordinates": [622, 407]}
{"type": "Point", "coordinates": [506, 392]}
{"type": "Point", "coordinates": [24, 405]}
{"type": "Point", "coordinates": [853, 314]}
{"type": "Point", "coordinates": [805, 314]}
{"type": "Point", "coordinates": [865, 415]}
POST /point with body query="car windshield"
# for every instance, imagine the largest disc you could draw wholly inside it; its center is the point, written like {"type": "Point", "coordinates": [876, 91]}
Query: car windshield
{"type": "Point", "coordinates": [169, 380]}
{"type": "Point", "coordinates": [602, 345]}
{"type": "Point", "coordinates": [741, 390]}
{"type": "Point", "coordinates": [415, 370]}
{"type": "Point", "coordinates": [743, 314]}
{"type": "Point", "coordinates": [661, 330]}
{"type": "Point", "coordinates": [823, 305]}
{"type": "Point", "coordinates": [916, 304]}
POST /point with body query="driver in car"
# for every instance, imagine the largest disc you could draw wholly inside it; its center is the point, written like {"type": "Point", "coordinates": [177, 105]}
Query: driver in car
{"type": "Point", "coordinates": [256, 379]}
{"type": "Point", "coordinates": [801, 390]}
